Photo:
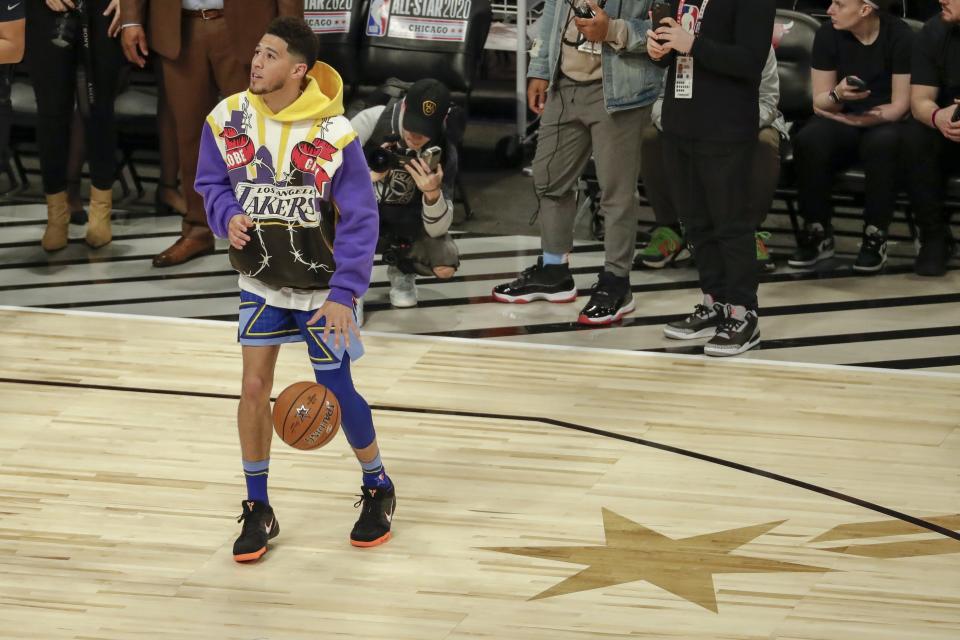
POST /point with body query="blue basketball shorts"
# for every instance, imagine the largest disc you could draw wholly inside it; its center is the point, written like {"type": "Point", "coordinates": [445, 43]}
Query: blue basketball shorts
{"type": "Point", "coordinates": [262, 325]}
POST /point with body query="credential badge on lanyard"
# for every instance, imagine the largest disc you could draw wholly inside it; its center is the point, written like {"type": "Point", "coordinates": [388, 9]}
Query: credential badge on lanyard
{"type": "Point", "coordinates": [690, 22]}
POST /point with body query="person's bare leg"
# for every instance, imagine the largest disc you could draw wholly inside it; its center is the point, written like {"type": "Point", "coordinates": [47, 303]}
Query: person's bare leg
{"type": "Point", "coordinates": [254, 419]}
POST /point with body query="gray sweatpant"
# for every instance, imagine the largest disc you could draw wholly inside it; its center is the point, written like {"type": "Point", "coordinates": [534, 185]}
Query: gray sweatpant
{"type": "Point", "coordinates": [574, 123]}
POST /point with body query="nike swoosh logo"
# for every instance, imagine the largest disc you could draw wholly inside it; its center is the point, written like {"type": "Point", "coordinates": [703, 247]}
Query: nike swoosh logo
{"type": "Point", "coordinates": [10, 7]}
{"type": "Point", "coordinates": [389, 516]}
{"type": "Point", "coordinates": [269, 527]}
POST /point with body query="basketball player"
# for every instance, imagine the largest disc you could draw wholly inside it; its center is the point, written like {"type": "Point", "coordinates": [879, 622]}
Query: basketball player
{"type": "Point", "coordinates": [285, 180]}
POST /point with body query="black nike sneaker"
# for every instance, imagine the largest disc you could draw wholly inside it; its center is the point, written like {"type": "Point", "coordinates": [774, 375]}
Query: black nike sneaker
{"type": "Point", "coordinates": [550, 282]}
{"type": "Point", "coordinates": [376, 515]}
{"type": "Point", "coordinates": [610, 299]}
{"type": "Point", "coordinates": [259, 525]}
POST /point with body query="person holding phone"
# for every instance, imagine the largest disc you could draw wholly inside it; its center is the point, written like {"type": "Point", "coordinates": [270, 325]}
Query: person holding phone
{"type": "Point", "coordinates": [413, 165]}
{"type": "Point", "coordinates": [593, 86]}
{"type": "Point", "coordinates": [932, 140]}
{"type": "Point", "coordinates": [715, 52]}
{"type": "Point", "coordinates": [861, 94]}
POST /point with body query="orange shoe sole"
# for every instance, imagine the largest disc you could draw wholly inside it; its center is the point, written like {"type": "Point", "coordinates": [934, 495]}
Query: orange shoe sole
{"type": "Point", "coordinates": [249, 557]}
{"type": "Point", "coordinates": [372, 543]}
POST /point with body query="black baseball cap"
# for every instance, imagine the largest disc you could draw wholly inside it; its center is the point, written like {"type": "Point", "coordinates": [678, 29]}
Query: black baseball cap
{"type": "Point", "coordinates": [427, 102]}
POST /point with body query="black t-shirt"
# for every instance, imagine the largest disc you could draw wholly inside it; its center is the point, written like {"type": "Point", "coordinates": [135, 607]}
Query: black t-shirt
{"type": "Point", "coordinates": [729, 54]}
{"type": "Point", "coordinates": [10, 11]}
{"type": "Point", "coordinates": [875, 64]}
{"type": "Point", "coordinates": [936, 59]}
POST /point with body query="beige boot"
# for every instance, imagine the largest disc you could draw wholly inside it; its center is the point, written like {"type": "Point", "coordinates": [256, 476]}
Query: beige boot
{"type": "Point", "coordinates": [98, 226]}
{"type": "Point", "coordinates": [58, 221]}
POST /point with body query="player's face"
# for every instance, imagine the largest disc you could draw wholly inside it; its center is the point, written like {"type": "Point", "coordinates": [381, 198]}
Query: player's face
{"type": "Point", "coordinates": [846, 14]}
{"type": "Point", "coordinates": [950, 10]}
{"type": "Point", "coordinates": [272, 66]}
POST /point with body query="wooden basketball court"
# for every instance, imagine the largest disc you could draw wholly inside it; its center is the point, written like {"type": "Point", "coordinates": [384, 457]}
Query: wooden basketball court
{"type": "Point", "coordinates": [543, 492]}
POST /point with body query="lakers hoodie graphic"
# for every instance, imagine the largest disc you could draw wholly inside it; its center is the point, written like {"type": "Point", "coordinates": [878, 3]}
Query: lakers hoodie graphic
{"type": "Point", "coordinates": [301, 175]}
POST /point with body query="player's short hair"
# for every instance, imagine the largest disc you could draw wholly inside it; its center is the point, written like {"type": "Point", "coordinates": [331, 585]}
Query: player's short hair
{"type": "Point", "coordinates": [298, 35]}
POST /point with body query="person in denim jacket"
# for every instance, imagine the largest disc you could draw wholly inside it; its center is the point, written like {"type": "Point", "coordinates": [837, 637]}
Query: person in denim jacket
{"type": "Point", "coordinates": [592, 83]}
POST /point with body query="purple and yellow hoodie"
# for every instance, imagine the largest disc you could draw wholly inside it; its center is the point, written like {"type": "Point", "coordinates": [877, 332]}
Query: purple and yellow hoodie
{"type": "Point", "coordinates": [302, 177]}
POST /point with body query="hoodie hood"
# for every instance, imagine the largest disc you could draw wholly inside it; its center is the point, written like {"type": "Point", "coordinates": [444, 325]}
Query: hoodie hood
{"type": "Point", "coordinates": [321, 98]}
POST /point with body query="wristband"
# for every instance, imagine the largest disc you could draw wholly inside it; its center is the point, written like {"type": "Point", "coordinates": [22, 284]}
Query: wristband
{"type": "Point", "coordinates": [933, 118]}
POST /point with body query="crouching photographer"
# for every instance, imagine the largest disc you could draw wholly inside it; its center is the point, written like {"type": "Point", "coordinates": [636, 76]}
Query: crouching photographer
{"type": "Point", "coordinates": [413, 165]}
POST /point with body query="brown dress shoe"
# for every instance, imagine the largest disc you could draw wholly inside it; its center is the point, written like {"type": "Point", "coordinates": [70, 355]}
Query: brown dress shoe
{"type": "Point", "coordinates": [184, 249]}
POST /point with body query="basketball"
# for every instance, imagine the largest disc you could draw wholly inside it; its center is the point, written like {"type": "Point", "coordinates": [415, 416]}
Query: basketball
{"type": "Point", "coordinates": [306, 415]}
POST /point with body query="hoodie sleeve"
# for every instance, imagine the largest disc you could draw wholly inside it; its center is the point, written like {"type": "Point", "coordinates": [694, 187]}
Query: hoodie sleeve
{"type": "Point", "coordinates": [213, 184]}
{"type": "Point", "coordinates": [358, 228]}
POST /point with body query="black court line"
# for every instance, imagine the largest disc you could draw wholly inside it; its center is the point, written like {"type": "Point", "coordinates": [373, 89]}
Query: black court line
{"type": "Point", "coordinates": [129, 236]}
{"type": "Point", "coordinates": [443, 302]}
{"type": "Point", "coordinates": [930, 526]}
{"type": "Point", "coordinates": [784, 310]}
{"type": "Point", "coordinates": [117, 216]}
{"type": "Point", "coordinates": [91, 259]}
{"type": "Point", "coordinates": [509, 253]}
{"type": "Point", "coordinates": [818, 341]}
{"type": "Point", "coordinates": [912, 363]}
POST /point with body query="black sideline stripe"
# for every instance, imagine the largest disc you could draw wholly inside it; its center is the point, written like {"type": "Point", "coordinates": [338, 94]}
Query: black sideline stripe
{"type": "Point", "coordinates": [830, 493]}
{"type": "Point", "coordinates": [132, 236]}
{"type": "Point", "coordinates": [912, 363]}
{"type": "Point", "coordinates": [818, 341]}
{"type": "Point", "coordinates": [785, 310]}
{"type": "Point", "coordinates": [443, 302]}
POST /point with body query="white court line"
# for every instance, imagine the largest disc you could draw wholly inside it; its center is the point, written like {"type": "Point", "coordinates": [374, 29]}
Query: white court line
{"type": "Point", "coordinates": [729, 361]}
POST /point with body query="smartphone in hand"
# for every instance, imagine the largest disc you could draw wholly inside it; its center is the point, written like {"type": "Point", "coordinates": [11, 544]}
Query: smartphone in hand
{"type": "Point", "coordinates": [660, 11]}
{"type": "Point", "coordinates": [856, 83]}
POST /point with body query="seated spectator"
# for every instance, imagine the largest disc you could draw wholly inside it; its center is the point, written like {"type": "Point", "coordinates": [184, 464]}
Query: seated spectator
{"type": "Point", "coordinates": [861, 92]}
{"type": "Point", "coordinates": [667, 244]}
{"type": "Point", "coordinates": [416, 199]}
{"type": "Point", "coordinates": [932, 139]}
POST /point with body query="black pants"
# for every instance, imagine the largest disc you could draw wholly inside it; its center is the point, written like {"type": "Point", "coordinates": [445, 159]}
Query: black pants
{"type": "Point", "coordinates": [709, 184]}
{"type": "Point", "coordinates": [6, 109]}
{"type": "Point", "coordinates": [53, 74]}
{"type": "Point", "coordinates": [928, 157]}
{"type": "Point", "coordinates": [764, 175]}
{"type": "Point", "coordinates": [824, 147]}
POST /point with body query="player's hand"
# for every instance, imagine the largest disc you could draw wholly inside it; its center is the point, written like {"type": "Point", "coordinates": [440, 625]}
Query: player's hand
{"type": "Point", "coordinates": [60, 5]}
{"type": "Point", "coordinates": [427, 181]}
{"type": "Point", "coordinates": [134, 42]}
{"type": "Point", "coordinates": [236, 230]}
{"type": "Point", "coordinates": [849, 93]}
{"type": "Point", "coordinates": [339, 321]}
{"type": "Point", "coordinates": [594, 29]}
{"type": "Point", "coordinates": [950, 130]}
{"type": "Point", "coordinates": [674, 37]}
{"type": "Point", "coordinates": [114, 28]}
{"type": "Point", "coordinates": [537, 94]}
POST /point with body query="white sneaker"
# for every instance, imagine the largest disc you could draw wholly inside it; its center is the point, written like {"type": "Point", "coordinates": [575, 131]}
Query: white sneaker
{"type": "Point", "coordinates": [403, 288]}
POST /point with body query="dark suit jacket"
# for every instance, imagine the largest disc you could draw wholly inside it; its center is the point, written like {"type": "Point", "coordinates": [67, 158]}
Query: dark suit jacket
{"type": "Point", "coordinates": [246, 20]}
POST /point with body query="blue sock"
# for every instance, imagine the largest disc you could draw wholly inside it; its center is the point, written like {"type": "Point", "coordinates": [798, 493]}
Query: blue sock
{"type": "Point", "coordinates": [256, 476]}
{"type": "Point", "coordinates": [554, 258]}
{"type": "Point", "coordinates": [374, 475]}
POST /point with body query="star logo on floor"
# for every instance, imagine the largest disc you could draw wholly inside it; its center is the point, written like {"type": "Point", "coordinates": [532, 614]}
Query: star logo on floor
{"type": "Point", "coordinates": [684, 567]}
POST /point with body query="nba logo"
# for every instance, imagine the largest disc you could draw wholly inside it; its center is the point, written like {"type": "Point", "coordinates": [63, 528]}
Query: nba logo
{"type": "Point", "coordinates": [378, 17]}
